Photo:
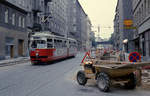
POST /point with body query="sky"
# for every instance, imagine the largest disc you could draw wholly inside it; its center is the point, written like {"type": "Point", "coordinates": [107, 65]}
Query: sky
{"type": "Point", "coordinates": [101, 13]}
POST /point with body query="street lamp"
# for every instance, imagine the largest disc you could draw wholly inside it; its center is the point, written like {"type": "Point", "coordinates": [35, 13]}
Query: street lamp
{"type": "Point", "coordinates": [125, 41]}
{"type": "Point", "coordinates": [125, 47]}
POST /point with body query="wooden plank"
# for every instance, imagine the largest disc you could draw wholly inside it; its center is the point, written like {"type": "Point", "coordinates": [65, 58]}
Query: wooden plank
{"type": "Point", "coordinates": [119, 65]}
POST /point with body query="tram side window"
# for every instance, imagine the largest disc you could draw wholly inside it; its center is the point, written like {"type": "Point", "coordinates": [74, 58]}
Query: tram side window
{"type": "Point", "coordinates": [55, 43]}
{"type": "Point", "coordinates": [75, 45]}
{"type": "Point", "coordinates": [42, 42]}
{"type": "Point", "coordinates": [64, 44]}
{"type": "Point", "coordinates": [69, 44]}
{"type": "Point", "coordinates": [49, 43]}
{"type": "Point", "coordinates": [58, 43]}
{"type": "Point", "coordinates": [72, 44]}
{"type": "Point", "coordinates": [49, 40]}
{"type": "Point", "coordinates": [34, 44]}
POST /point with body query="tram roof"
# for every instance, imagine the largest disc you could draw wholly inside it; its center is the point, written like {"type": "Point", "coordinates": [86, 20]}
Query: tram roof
{"type": "Point", "coordinates": [49, 34]}
{"type": "Point", "coordinates": [72, 39]}
{"type": "Point", "coordinates": [45, 34]}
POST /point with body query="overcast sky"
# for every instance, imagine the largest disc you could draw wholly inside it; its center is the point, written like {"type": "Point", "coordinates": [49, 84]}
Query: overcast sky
{"type": "Point", "coordinates": [101, 13]}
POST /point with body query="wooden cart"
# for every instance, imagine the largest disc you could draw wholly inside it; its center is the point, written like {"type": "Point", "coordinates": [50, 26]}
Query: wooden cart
{"type": "Point", "coordinates": [108, 73]}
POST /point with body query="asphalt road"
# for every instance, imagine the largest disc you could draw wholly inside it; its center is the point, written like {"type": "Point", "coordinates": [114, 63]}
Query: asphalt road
{"type": "Point", "coordinates": [56, 79]}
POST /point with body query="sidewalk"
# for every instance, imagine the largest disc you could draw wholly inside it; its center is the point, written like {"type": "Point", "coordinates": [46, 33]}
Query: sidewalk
{"type": "Point", "coordinates": [14, 61]}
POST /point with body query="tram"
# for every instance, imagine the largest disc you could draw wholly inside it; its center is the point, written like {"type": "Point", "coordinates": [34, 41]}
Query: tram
{"type": "Point", "coordinates": [46, 47]}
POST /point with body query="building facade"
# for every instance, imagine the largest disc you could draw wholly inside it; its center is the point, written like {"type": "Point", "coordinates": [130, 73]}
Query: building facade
{"type": "Point", "coordinates": [81, 26]}
{"type": "Point", "coordinates": [89, 34]}
{"type": "Point", "coordinates": [21, 18]}
{"type": "Point", "coordinates": [72, 19]}
{"type": "Point", "coordinates": [141, 14]}
{"type": "Point", "coordinates": [58, 21]}
{"type": "Point", "coordinates": [123, 12]}
{"type": "Point", "coordinates": [117, 35]}
{"type": "Point", "coordinates": [13, 30]}
{"type": "Point", "coordinates": [92, 39]}
{"type": "Point", "coordinates": [28, 6]}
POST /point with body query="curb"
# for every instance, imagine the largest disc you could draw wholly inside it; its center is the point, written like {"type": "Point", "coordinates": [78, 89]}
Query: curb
{"type": "Point", "coordinates": [15, 62]}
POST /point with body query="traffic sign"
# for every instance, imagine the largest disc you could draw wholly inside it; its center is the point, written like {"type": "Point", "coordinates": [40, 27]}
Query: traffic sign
{"type": "Point", "coordinates": [87, 55]}
{"type": "Point", "coordinates": [134, 57]}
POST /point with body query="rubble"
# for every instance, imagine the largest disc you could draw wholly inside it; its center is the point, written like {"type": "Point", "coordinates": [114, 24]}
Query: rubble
{"type": "Point", "coordinates": [146, 79]}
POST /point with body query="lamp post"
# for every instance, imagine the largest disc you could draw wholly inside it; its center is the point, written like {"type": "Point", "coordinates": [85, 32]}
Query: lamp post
{"type": "Point", "coordinates": [125, 45]}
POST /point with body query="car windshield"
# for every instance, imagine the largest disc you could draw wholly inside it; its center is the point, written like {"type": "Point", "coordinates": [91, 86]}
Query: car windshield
{"type": "Point", "coordinates": [38, 44]}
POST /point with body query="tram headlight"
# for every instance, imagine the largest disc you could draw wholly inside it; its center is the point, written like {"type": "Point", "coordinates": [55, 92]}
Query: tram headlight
{"type": "Point", "coordinates": [37, 54]}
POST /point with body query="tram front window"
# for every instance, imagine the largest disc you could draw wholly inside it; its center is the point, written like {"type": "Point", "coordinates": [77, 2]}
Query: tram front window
{"type": "Point", "coordinates": [38, 44]}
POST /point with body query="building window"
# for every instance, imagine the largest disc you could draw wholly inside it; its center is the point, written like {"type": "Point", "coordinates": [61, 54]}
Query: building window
{"type": "Point", "coordinates": [142, 13]}
{"type": "Point", "coordinates": [143, 45]}
{"type": "Point", "coordinates": [74, 1]}
{"type": "Point", "coordinates": [145, 8]}
{"type": "Point", "coordinates": [74, 10]}
{"type": "Point", "coordinates": [149, 42]}
{"type": "Point", "coordinates": [20, 2]}
{"type": "Point", "coordinates": [23, 23]}
{"type": "Point", "coordinates": [19, 21]}
{"type": "Point", "coordinates": [13, 18]}
{"type": "Point", "coordinates": [23, 3]}
{"type": "Point", "coordinates": [0, 14]}
{"type": "Point", "coordinates": [75, 28]}
{"type": "Point", "coordinates": [148, 6]}
{"type": "Point", "coordinates": [6, 16]}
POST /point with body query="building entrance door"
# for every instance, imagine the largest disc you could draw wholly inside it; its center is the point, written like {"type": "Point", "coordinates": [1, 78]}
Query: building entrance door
{"type": "Point", "coordinates": [20, 47]}
{"type": "Point", "coordinates": [11, 51]}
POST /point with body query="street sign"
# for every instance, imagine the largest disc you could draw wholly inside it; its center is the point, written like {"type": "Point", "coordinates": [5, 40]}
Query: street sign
{"type": "Point", "coordinates": [134, 57]}
{"type": "Point", "coordinates": [129, 27]}
{"type": "Point", "coordinates": [128, 22]}
{"type": "Point", "coordinates": [87, 55]}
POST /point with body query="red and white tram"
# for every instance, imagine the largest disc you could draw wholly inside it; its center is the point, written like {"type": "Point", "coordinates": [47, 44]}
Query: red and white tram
{"type": "Point", "coordinates": [45, 47]}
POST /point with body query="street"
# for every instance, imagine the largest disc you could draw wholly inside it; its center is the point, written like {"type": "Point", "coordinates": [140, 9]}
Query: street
{"type": "Point", "coordinates": [56, 79]}
{"type": "Point", "coordinates": [111, 43]}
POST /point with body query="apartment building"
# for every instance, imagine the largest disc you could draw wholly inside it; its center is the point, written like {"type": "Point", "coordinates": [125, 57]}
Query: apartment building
{"type": "Point", "coordinates": [141, 14]}
{"type": "Point", "coordinates": [123, 12]}
{"type": "Point", "coordinates": [58, 21]}
{"type": "Point", "coordinates": [13, 32]}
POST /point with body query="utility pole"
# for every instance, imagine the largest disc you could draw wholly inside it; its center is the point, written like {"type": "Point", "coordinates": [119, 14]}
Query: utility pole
{"type": "Point", "coordinates": [99, 38]}
{"type": "Point", "coordinates": [98, 31]}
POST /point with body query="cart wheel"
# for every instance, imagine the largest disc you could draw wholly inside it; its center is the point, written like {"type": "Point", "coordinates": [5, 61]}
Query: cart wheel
{"type": "Point", "coordinates": [103, 82]}
{"type": "Point", "coordinates": [132, 82]}
{"type": "Point", "coordinates": [81, 78]}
